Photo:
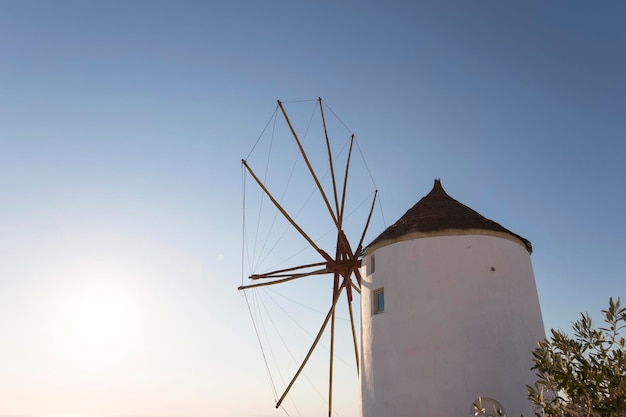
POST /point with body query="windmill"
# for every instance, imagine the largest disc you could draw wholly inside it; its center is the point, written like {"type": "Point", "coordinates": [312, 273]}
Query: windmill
{"type": "Point", "coordinates": [341, 262]}
{"type": "Point", "coordinates": [449, 308]}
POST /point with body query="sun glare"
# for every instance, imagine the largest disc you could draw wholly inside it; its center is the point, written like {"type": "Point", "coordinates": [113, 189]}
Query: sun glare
{"type": "Point", "coordinates": [96, 321]}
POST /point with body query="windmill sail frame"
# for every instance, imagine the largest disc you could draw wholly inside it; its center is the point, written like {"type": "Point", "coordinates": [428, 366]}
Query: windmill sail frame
{"type": "Point", "coordinates": [344, 266]}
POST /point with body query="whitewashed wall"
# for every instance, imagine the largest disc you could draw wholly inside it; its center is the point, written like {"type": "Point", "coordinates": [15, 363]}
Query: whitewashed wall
{"type": "Point", "coordinates": [461, 319]}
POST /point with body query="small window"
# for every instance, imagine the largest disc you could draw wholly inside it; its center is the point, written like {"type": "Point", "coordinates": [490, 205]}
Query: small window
{"type": "Point", "coordinates": [379, 301]}
{"type": "Point", "coordinates": [372, 265]}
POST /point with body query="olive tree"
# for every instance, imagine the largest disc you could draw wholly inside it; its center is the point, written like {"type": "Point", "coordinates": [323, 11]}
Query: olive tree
{"type": "Point", "coordinates": [583, 375]}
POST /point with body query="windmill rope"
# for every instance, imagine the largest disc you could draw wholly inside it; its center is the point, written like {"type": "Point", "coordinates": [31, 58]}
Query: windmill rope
{"type": "Point", "coordinates": [267, 338]}
{"type": "Point", "coordinates": [304, 330]}
{"type": "Point", "coordinates": [297, 156]}
{"type": "Point", "coordinates": [243, 221]}
{"type": "Point", "coordinates": [380, 205]}
{"type": "Point", "coordinates": [285, 230]}
{"type": "Point", "coordinates": [364, 161]}
{"type": "Point", "coordinates": [276, 213]}
{"type": "Point", "coordinates": [256, 331]}
{"type": "Point", "coordinates": [258, 324]}
{"type": "Point", "coordinates": [273, 116]}
{"type": "Point", "coordinates": [263, 197]}
{"type": "Point", "coordinates": [250, 312]}
{"type": "Point", "coordinates": [367, 168]}
{"type": "Point", "coordinates": [269, 345]}
{"type": "Point", "coordinates": [303, 305]}
{"type": "Point", "coordinates": [308, 127]}
{"type": "Point", "coordinates": [338, 118]}
{"type": "Point", "coordinates": [299, 101]}
{"type": "Point", "coordinates": [286, 347]}
{"type": "Point", "coordinates": [290, 317]}
{"type": "Point", "coordinates": [278, 369]}
{"type": "Point", "coordinates": [358, 206]}
{"type": "Point", "coordinates": [284, 191]}
{"type": "Point", "coordinates": [382, 214]}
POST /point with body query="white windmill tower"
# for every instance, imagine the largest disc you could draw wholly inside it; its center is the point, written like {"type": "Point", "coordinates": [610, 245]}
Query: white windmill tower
{"type": "Point", "coordinates": [449, 312]}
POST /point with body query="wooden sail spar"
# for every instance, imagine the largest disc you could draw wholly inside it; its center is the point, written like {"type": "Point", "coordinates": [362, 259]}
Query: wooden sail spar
{"type": "Point", "coordinates": [344, 266]}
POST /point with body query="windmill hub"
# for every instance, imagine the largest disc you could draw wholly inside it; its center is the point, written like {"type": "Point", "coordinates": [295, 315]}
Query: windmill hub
{"type": "Point", "coordinates": [343, 267]}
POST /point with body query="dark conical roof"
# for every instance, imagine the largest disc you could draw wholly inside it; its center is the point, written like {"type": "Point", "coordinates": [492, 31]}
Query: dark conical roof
{"type": "Point", "coordinates": [436, 212]}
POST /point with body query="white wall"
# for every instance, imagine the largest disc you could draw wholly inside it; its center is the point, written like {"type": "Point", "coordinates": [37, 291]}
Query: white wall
{"type": "Point", "coordinates": [452, 329]}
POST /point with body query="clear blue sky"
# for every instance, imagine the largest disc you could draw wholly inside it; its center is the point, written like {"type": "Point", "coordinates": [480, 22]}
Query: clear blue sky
{"type": "Point", "coordinates": [122, 127]}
